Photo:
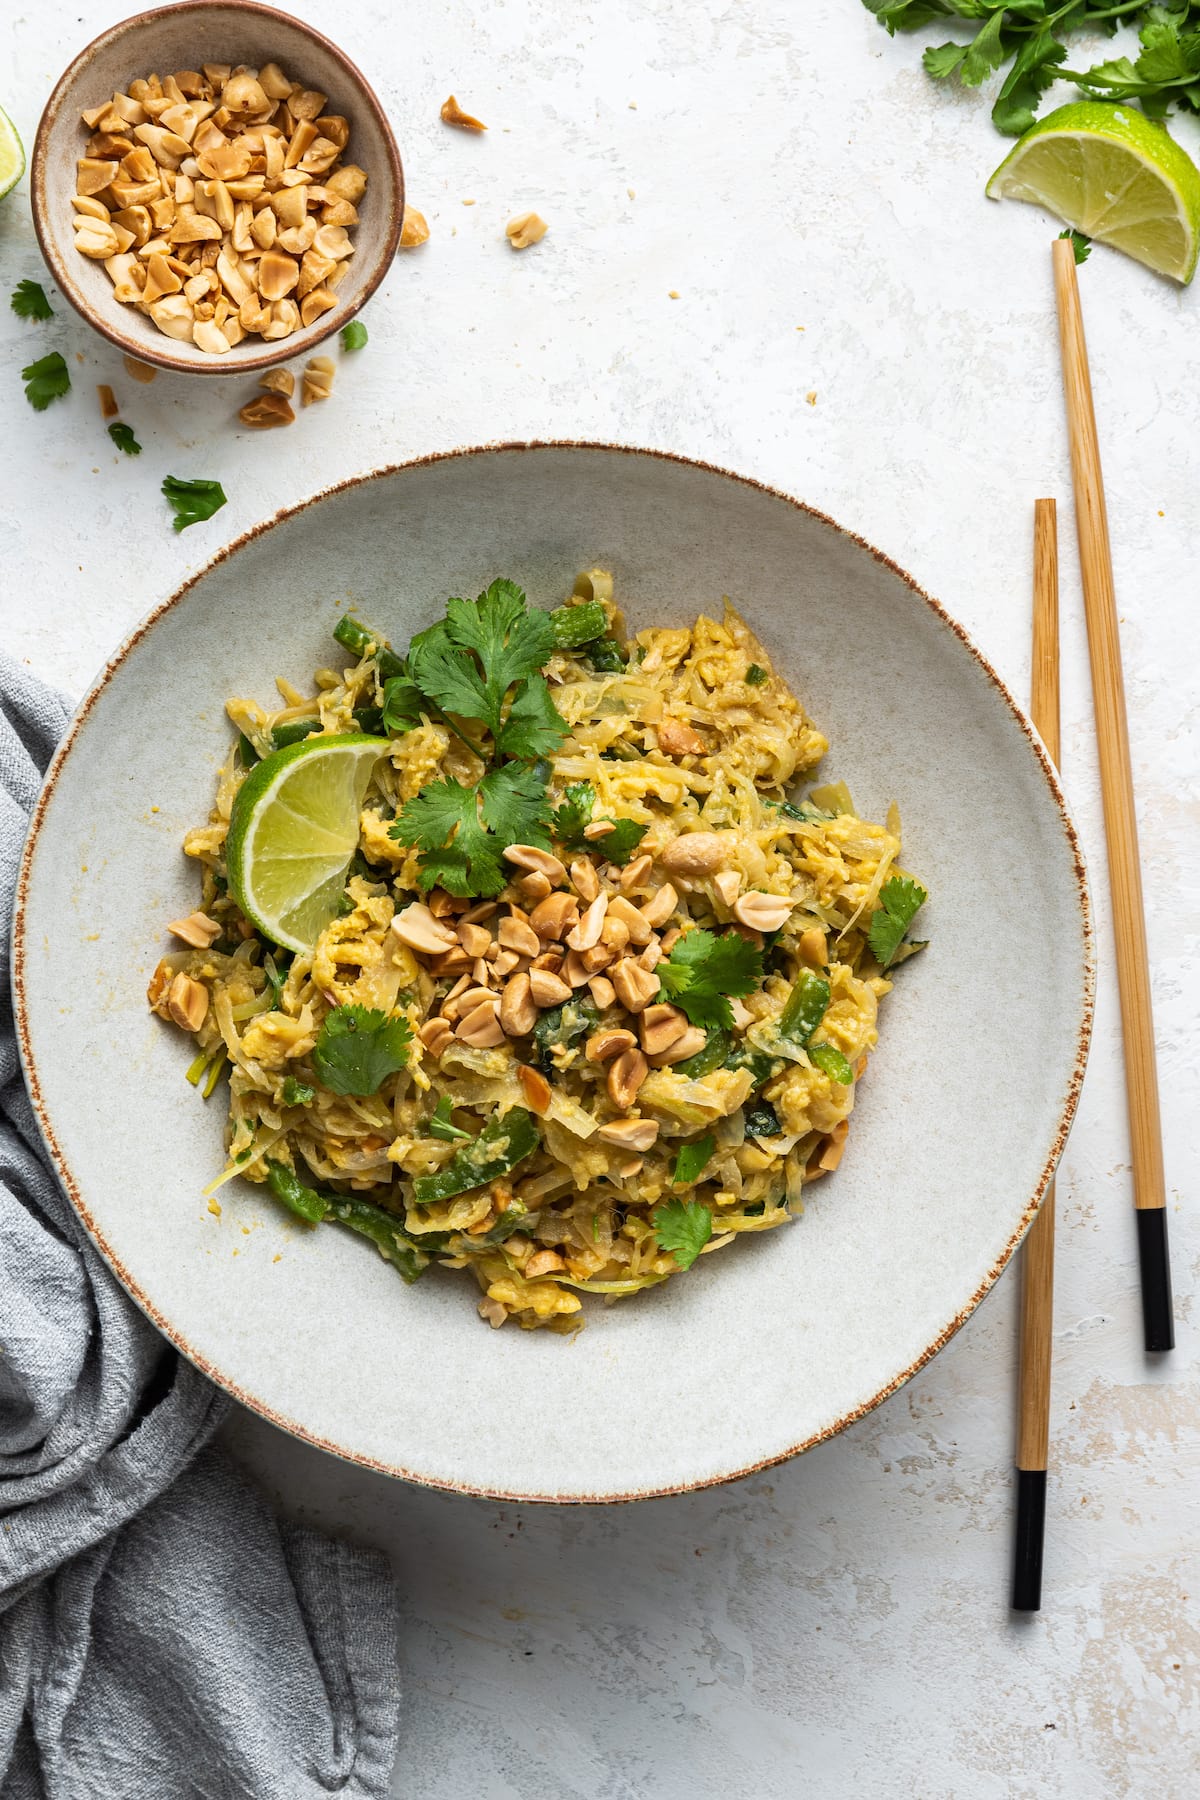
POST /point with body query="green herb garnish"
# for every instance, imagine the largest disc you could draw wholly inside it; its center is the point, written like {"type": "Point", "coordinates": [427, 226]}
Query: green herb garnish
{"type": "Point", "coordinates": [354, 335]}
{"type": "Point", "coordinates": [1082, 246]}
{"type": "Point", "coordinates": [122, 436]}
{"type": "Point", "coordinates": [357, 1049]}
{"type": "Point", "coordinates": [569, 820]}
{"type": "Point", "coordinates": [508, 806]}
{"type": "Point", "coordinates": [29, 301]}
{"type": "Point", "coordinates": [691, 1162]}
{"type": "Point", "coordinates": [441, 1125]}
{"type": "Point", "coordinates": [900, 900]}
{"type": "Point", "coordinates": [46, 380]}
{"type": "Point", "coordinates": [683, 1227]}
{"type": "Point", "coordinates": [805, 1007]}
{"type": "Point", "coordinates": [498, 681]}
{"type": "Point", "coordinates": [756, 675]}
{"type": "Point", "coordinates": [192, 500]}
{"type": "Point", "coordinates": [704, 970]}
{"type": "Point", "coordinates": [297, 1093]}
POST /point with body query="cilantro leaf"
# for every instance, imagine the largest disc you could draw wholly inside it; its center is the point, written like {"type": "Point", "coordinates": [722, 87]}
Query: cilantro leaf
{"type": "Point", "coordinates": [192, 500]}
{"type": "Point", "coordinates": [534, 726]}
{"type": "Point", "coordinates": [507, 807]}
{"type": "Point", "coordinates": [900, 900]}
{"type": "Point", "coordinates": [357, 1049]}
{"type": "Point", "coordinates": [46, 380]}
{"type": "Point", "coordinates": [692, 1160]}
{"type": "Point", "coordinates": [122, 436]}
{"type": "Point", "coordinates": [683, 1227]}
{"type": "Point", "coordinates": [354, 335]}
{"type": "Point", "coordinates": [575, 813]}
{"type": "Point", "coordinates": [1082, 246]}
{"type": "Point", "coordinates": [29, 301]}
{"type": "Point", "coordinates": [403, 704]}
{"type": "Point", "coordinates": [510, 642]}
{"type": "Point", "coordinates": [297, 1093]}
{"type": "Point", "coordinates": [1035, 68]}
{"type": "Point", "coordinates": [442, 1126]}
{"type": "Point", "coordinates": [704, 969]}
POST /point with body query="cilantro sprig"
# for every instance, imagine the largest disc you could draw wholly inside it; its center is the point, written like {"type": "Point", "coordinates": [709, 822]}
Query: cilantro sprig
{"type": "Point", "coordinates": [122, 436]}
{"type": "Point", "coordinates": [704, 970]}
{"type": "Point", "coordinates": [357, 1048]}
{"type": "Point", "coordinates": [462, 832]}
{"type": "Point", "coordinates": [192, 500]}
{"type": "Point", "coordinates": [354, 335]}
{"type": "Point", "coordinates": [1031, 36]}
{"type": "Point", "coordinates": [45, 380]}
{"type": "Point", "coordinates": [575, 814]}
{"type": "Point", "coordinates": [29, 301]}
{"type": "Point", "coordinates": [900, 900]}
{"type": "Point", "coordinates": [682, 1228]}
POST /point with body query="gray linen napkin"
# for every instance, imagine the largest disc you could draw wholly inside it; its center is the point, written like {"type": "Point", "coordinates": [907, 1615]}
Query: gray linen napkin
{"type": "Point", "coordinates": [161, 1636]}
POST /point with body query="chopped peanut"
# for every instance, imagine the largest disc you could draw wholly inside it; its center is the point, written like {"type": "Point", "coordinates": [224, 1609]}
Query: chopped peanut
{"type": "Point", "coordinates": [266, 411]}
{"type": "Point", "coordinates": [108, 402]}
{"type": "Point", "coordinates": [197, 929]}
{"type": "Point", "coordinates": [415, 229]}
{"type": "Point", "coordinates": [453, 114]}
{"type": "Point", "coordinates": [243, 164]}
{"type": "Point", "coordinates": [187, 1002]}
{"type": "Point", "coordinates": [525, 229]}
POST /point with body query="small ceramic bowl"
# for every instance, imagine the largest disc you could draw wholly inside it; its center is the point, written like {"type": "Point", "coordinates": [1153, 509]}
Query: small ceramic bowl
{"type": "Point", "coordinates": [183, 37]}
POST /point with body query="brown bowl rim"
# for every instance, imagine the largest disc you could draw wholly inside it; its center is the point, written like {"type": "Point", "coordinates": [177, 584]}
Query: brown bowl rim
{"type": "Point", "coordinates": [397, 1470]}
{"type": "Point", "coordinates": [163, 359]}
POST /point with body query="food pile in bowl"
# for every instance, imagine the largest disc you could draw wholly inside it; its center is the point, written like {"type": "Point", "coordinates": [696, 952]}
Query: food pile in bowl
{"type": "Point", "coordinates": [519, 956]}
{"type": "Point", "coordinates": [221, 201]}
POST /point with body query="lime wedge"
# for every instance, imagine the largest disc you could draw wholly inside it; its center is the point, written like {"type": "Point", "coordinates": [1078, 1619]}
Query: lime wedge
{"type": "Point", "coordinates": [12, 155]}
{"type": "Point", "coordinates": [1115, 175]}
{"type": "Point", "coordinates": [293, 831]}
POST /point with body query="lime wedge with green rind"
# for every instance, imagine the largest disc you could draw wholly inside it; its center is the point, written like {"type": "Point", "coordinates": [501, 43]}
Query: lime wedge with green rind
{"type": "Point", "coordinates": [1115, 175]}
{"type": "Point", "coordinates": [293, 831]}
{"type": "Point", "coordinates": [12, 155]}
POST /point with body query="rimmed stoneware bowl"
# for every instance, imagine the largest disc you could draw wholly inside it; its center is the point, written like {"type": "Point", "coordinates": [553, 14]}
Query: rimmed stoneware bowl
{"type": "Point", "coordinates": [182, 37]}
{"type": "Point", "coordinates": [763, 1349]}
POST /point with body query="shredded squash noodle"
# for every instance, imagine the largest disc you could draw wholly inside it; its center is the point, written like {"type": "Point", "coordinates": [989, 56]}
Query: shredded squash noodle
{"type": "Point", "coordinates": [576, 1062]}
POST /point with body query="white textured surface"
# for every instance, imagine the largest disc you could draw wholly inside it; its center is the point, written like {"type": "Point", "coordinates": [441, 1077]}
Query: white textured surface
{"type": "Point", "coordinates": [837, 1627]}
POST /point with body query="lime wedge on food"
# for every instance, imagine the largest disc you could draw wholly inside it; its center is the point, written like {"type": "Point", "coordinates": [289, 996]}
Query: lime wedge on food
{"type": "Point", "coordinates": [293, 831]}
{"type": "Point", "coordinates": [12, 155]}
{"type": "Point", "coordinates": [1115, 175]}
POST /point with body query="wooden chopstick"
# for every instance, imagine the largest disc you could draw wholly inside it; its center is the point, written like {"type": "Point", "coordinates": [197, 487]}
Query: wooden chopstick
{"type": "Point", "coordinates": [1120, 819]}
{"type": "Point", "coordinates": [1037, 1256]}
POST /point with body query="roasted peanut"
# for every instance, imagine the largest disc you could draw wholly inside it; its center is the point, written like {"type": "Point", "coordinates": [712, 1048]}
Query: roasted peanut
{"type": "Point", "coordinates": [762, 912]}
{"type": "Point", "coordinates": [602, 1046]}
{"type": "Point", "coordinates": [554, 916]}
{"type": "Point", "coordinates": [813, 947]}
{"type": "Point", "coordinates": [695, 853]}
{"type": "Point", "coordinates": [586, 933]}
{"type": "Point", "coordinates": [518, 1009]}
{"type": "Point", "coordinates": [658, 909]}
{"type": "Point", "coordinates": [187, 1002]}
{"type": "Point", "coordinates": [536, 1090]}
{"type": "Point", "coordinates": [548, 989]}
{"type": "Point", "coordinates": [677, 739]}
{"type": "Point", "coordinates": [417, 927]}
{"type": "Point", "coordinates": [435, 1034]}
{"type": "Point", "coordinates": [625, 1076]}
{"type": "Point", "coordinates": [635, 987]}
{"type": "Point", "coordinates": [481, 1028]}
{"type": "Point", "coordinates": [197, 929]}
{"type": "Point", "coordinates": [630, 1134]}
{"type": "Point", "coordinates": [584, 878]}
{"type": "Point", "coordinates": [528, 856]}
{"type": "Point", "coordinates": [660, 1026]}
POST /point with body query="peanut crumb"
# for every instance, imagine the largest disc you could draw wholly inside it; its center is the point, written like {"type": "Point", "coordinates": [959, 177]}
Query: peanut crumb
{"type": "Point", "coordinates": [673, 294]}
{"type": "Point", "coordinates": [468, 203]}
{"type": "Point", "coordinates": [415, 229]}
{"type": "Point", "coordinates": [524, 229]}
{"type": "Point", "coordinates": [108, 402]}
{"type": "Point", "coordinates": [453, 114]}
{"type": "Point", "coordinates": [632, 192]}
{"type": "Point", "coordinates": [811, 396]}
{"type": "Point", "coordinates": [214, 1207]}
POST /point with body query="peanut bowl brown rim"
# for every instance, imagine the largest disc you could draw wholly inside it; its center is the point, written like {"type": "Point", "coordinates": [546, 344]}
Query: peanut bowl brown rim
{"type": "Point", "coordinates": [300, 341]}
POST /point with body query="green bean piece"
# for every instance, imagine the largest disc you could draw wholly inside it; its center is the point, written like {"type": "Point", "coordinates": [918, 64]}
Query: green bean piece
{"type": "Point", "coordinates": [805, 1007]}
{"type": "Point", "coordinates": [385, 1232]}
{"type": "Point", "coordinates": [293, 731]}
{"type": "Point", "coordinates": [286, 1186]}
{"type": "Point", "coordinates": [711, 1057]}
{"type": "Point", "coordinates": [215, 1071]}
{"type": "Point", "coordinates": [247, 754]}
{"type": "Point", "coordinates": [364, 642]}
{"type": "Point", "coordinates": [505, 1141]}
{"type": "Point", "coordinates": [575, 625]}
{"type": "Point", "coordinates": [604, 656]}
{"type": "Point", "coordinates": [829, 1059]}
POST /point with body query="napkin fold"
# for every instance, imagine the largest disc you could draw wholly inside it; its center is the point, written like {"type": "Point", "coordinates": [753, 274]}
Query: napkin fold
{"type": "Point", "coordinates": [162, 1636]}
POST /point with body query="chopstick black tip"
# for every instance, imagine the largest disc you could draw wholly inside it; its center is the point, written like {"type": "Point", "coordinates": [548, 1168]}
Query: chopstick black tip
{"type": "Point", "coordinates": [1031, 1535]}
{"type": "Point", "coordinates": [1154, 1256]}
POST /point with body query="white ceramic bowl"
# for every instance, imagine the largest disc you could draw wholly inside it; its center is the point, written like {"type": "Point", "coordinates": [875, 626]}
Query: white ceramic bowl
{"type": "Point", "coordinates": [182, 37]}
{"type": "Point", "coordinates": [760, 1351]}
